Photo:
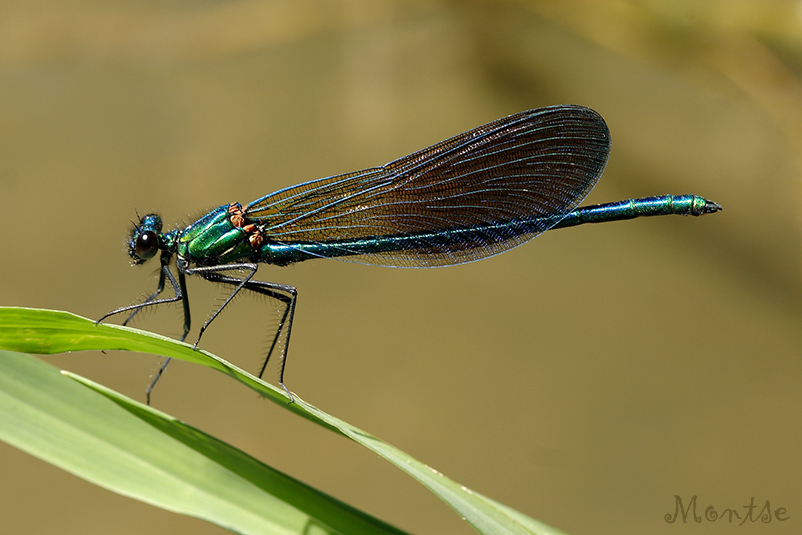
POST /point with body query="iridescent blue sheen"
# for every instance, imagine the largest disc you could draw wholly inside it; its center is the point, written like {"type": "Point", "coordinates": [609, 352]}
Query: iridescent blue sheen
{"type": "Point", "coordinates": [469, 197]}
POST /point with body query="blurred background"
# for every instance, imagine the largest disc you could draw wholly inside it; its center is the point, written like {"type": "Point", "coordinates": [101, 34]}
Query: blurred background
{"type": "Point", "coordinates": [584, 378]}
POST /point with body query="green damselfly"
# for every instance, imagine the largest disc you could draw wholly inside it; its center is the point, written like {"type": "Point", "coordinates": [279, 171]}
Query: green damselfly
{"type": "Point", "coordinates": [469, 197]}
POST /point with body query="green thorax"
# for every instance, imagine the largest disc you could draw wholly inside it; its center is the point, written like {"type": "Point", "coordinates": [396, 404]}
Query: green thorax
{"type": "Point", "coordinates": [214, 240]}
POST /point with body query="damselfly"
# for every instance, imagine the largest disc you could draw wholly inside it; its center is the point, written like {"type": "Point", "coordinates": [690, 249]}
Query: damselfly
{"type": "Point", "coordinates": [469, 197]}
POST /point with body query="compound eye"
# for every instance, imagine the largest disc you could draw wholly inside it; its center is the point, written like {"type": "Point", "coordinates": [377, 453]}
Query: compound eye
{"type": "Point", "coordinates": [146, 245]}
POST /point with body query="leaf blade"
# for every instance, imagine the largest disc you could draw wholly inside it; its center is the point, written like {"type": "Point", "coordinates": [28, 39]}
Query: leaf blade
{"type": "Point", "coordinates": [137, 451]}
{"type": "Point", "coordinates": [76, 333]}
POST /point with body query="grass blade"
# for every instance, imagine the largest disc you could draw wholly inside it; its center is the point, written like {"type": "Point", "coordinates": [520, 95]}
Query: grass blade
{"type": "Point", "coordinates": [48, 332]}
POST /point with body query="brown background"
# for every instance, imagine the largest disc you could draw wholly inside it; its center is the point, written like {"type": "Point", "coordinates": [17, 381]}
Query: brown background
{"type": "Point", "coordinates": [585, 378]}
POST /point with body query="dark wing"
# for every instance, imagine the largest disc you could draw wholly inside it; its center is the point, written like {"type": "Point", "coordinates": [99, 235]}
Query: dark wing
{"type": "Point", "coordinates": [534, 164]}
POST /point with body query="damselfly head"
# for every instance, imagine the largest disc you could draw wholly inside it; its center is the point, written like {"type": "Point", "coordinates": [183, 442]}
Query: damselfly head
{"type": "Point", "coordinates": [144, 242]}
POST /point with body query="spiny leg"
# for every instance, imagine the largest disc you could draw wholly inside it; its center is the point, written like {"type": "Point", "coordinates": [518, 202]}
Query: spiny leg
{"type": "Point", "coordinates": [180, 295]}
{"type": "Point", "coordinates": [287, 295]}
{"type": "Point", "coordinates": [209, 273]}
{"type": "Point", "coordinates": [284, 293]}
{"type": "Point", "coordinates": [180, 289]}
{"type": "Point", "coordinates": [154, 295]}
{"type": "Point", "coordinates": [187, 322]}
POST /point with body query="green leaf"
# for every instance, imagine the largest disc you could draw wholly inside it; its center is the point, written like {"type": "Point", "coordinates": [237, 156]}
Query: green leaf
{"type": "Point", "coordinates": [48, 332]}
{"type": "Point", "coordinates": [137, 451]}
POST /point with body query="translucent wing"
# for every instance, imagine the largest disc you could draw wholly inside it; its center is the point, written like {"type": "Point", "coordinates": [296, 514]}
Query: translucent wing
{"type": "Point", "coordinates": [469, 197]}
